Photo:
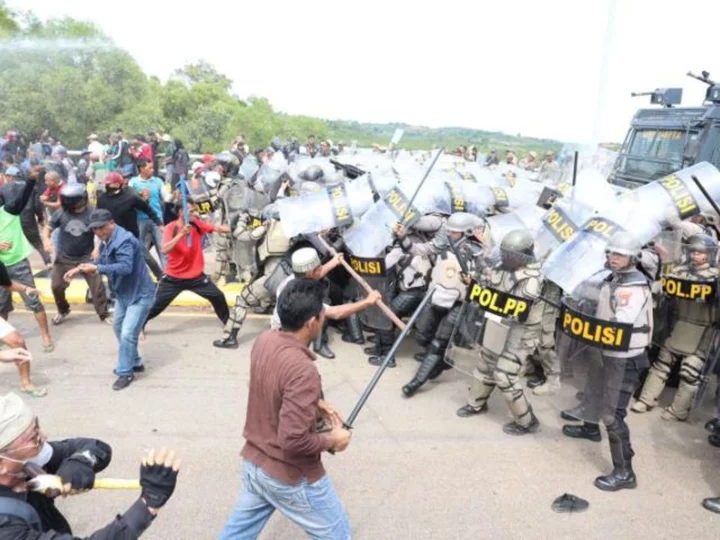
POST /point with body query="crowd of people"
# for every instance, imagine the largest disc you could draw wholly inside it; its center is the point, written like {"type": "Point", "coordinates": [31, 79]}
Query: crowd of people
{"type": "Point", "coordinates": [466, 275]}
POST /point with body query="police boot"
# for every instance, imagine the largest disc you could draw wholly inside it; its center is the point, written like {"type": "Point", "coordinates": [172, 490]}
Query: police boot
{"type": "Point", "coordinates": [712, 504]}
{"type": "Point", "coordinates": [469, 410]}
{"type": "Point", "coordinates": [622, 475]}
{"type": "Point", "coordinates": [713, 426]}
{"type": "Point", "coordinates": [591, 432]}
{"type": "Point", "coordinates": [423, 372]}
{"type": "Point", "coordinates": [384, 342]}
{"type": "Point", "coordinates": [419, 356]}
{"type": "Point", "coordinates": [229, 341]}
{"type": "Point", "coordinates": [574, 415]}
{"type": "Point", "coordinates": [320, 345]}
{"type": "Point", "coordinates": [513, 428]}
{"type": "Point", "coordinates": [437, 349]}
{"type": "Point", "coordinates": [353, 330]}
{"type": "Point", "coordinates": [535, 380]}
{"type": "Point", "coordinates": [679, 409]}
{"type": "Point", "coordinates": [714, 440]}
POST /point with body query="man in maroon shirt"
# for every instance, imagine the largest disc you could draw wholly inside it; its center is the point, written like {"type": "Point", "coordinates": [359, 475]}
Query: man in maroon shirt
{"type": "Point", "coordinates": [185, 270]}
{"type": "Point", "coordinates": [283, 469]}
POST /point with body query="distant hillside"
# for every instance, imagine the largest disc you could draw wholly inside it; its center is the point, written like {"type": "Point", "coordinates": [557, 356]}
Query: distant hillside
{"type": "Point", "coordinates": [421, 137]}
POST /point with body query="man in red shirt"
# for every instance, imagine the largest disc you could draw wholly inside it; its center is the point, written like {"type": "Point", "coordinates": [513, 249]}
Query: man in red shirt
{"type": "Point", "coordinates": [141, 149]}
{"type": "Point", "coordinates": [185, 270]}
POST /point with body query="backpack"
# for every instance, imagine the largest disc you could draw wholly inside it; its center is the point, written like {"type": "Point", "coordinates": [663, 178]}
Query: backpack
{"type": "Point", "coordinates": [10, 507]}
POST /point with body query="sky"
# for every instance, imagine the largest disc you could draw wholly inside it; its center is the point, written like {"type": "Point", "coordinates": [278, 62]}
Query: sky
{"type": "Point", "coordinates": [550, 68]}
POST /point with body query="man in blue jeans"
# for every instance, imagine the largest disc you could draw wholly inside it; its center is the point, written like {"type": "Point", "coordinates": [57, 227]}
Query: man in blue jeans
{"type": "Point", "coordinates": [283, 469]}
{"type": "Point", "coordinates": [150, 188]}
{"type": "Point", "coordinates": [121, 260]}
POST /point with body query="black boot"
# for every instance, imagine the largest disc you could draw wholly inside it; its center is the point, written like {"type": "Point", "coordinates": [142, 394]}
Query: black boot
{"type": "Point", "coordinates": [420, 356]}
{"type": "Point", "coordinates": [513, 428]}
{"type": "Point", "coordinates": [228, 342]}
{"type": "Point", "coordinates": [574, 415]}
{"type": "Point", "coordinates": [714, 439]}
{"type": "Point", "coordinates": [423, 372]}
{"type": "Point", "coordinates": [378, 360]}
{"type": "Point", "coordinates": [469, 410]}
{"type": "Point", "coordinates": [536, 380]}
{"type": "Point", "coordinates": [622, 475]}
{"type": "Point", "coordinates": [712, 504]}
{"type": "Point", "coordinates": [713, 426]}
{"type": "Point", "coordinates": [320, 346]}
{"type": "Point", "coordinates": [353, 330]}
{"type": "Point", "coordinates": [591, 432]}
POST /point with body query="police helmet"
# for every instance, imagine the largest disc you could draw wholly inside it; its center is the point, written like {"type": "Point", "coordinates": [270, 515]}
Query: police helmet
{"type": "Point", "coordinates": [624, 243]}
{"type": "Point", "coordinates": [304, 260]}
{"type": "Point", "coordinates": [12, 171]}
{"type": "Point", "coordinates": [313, 173]}
{"type": "Point", "coordinates": [517, 249]}
{"type": "Point", "coordinates": [73, 196]}
{"type": "Point", "coordinates": [275, 144]}
{"type": "Point", "coordinates": [229, 162]}
{"type": "Point", "coordinates": [703, 243]}
{"type": "Point", "coordinates": [463, 222]}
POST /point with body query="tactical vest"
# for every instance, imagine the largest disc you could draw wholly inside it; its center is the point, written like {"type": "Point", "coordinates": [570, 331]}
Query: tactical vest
{"type": "Point", "coordinates": [608, 301]}
{"type": "Point", "coordinates": [501, 335]}
{"type": "Point", "coordinates": [445, 277]}
{"type": "Point", "coordinates": [275, 243]}
{"type": "Point", "coordinates": [414, 275]}
{"type": "Point", "coordinates": [692, 332]}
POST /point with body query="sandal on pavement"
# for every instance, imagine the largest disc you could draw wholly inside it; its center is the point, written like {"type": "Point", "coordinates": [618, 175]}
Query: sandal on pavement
{"type": "Point", "coordinates": [59, 317]}
{"type": "Point", "coordinates": [35, 392]}
{"type": "Point", "coordinates": [48, 347]}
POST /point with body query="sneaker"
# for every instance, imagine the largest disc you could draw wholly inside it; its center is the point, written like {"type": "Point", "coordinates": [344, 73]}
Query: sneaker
{"type": "Point", "coordinates": [108, 320]}
{"type": "Point", "coordinates": [123, 381]}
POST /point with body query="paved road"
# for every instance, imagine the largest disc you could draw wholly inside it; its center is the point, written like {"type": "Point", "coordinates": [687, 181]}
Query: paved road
{"type": "Point", "coordinates": [414, 469]}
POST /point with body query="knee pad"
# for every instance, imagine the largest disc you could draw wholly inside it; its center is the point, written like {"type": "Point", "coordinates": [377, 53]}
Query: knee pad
{"type": "Point", "coordinates": [691, 369]}
{"type": "Point", "coordinates": [664, 362]}
{"type": "Point", "coordinates": [247, 298]}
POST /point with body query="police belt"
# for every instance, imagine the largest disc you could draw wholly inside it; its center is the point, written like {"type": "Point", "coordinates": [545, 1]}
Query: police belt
{"type": "Point", "coordinates": [503, 304]}
{"type": "Point", "coordinates": [606, 335]}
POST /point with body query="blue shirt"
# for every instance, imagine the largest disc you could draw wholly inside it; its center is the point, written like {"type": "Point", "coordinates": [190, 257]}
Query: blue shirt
{"type": "Point", "coordinates": [155, 186]}
{"type": "Point", "coordinates": [121, 260]}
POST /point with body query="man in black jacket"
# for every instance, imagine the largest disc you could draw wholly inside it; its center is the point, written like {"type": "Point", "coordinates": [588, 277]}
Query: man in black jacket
{"type": "Point", "coordinates": [122, 203]}
{"type": "Point", "coordinates": [29, 515]}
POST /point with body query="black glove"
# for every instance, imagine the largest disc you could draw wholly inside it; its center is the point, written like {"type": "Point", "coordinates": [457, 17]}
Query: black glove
{"type": "Point", "coordinates": [78, 472]}
{"type": "Point", "coordinates": [158, 484]}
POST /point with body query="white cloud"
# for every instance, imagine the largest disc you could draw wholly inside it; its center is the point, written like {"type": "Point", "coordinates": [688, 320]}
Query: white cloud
{"type": "Point", "coordinates": [517, 66]}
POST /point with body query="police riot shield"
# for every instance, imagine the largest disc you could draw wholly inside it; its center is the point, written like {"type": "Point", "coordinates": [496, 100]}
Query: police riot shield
{"type": "Point", "coordinates": [465, 196]}
{"type": "Point", "coordinates": [332, 205]}
{"type": "Point", "coordinates": [492, 320]}
{"type": "Point", "coordinates": [528, 217]}
{"type": "Point", "coordinates": [558, 225]}
{"type": "Point", "coordinates": [594, 348]}
{"type": "Point", "coordinates": [201, 194]}
{"type": "Point", "coordinates": [248, 167]}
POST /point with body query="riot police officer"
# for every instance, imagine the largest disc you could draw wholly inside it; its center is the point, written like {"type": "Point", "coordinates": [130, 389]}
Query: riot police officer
{"type": "Point", "coordinates": [624, 297]}
{"type": "Point", "coordinates": [690, 338]}
{"type": "Point", "coordinates": [435, 324]}
{"type": "Point", "coordinates": [227, 165]}
{"type": "Point", "coordinates": [506, 344]}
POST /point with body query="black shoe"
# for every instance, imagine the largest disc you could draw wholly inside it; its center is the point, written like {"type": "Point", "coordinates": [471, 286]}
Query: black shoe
{"type": "Point", "coordinates": [513, 428]}
{"type": "Point", "coordinates": [573, 415]}
{"type": "Point", "coordinates": [347, 338]}
{"type": "Point", "coordinates": [620, 478]}
{"type": "Point", "coordinates": [123, 381]}
{"type": "Point", "coordinates": [419, 356]}
{"type": "Point", "coordinates": [139, 369]}
{"type": "Point", "coordinates": [535, 382]}
{"type": "Point", "coordinates": [378, 360]}
{"type": "Point", "coordinates": [324, 351]}
{"type": "Point", "coordinates": [410, 388]}
{"type": "Point", "coordinates": [371, 338]}
{"type": "Point", "coordinates": [228, 342]}
{"type": "Point", "coordinates": [372, 351]}
{"type": "Point", "coordinates": [582, 432]}
{"type": "Point", "coordinates": [712, 504]}
{"type": "Point", "coordinates": [262, 310]}
{"type": "Point", "coordinates": [713, 426]}
{"type": "Point", "coordinates": [469, 410]}
{"type": "Point", "coordinates": [714, 439]}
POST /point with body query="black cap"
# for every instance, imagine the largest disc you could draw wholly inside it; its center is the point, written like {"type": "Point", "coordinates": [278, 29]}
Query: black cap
{"type": "Point", "coordinates": [99, 218]}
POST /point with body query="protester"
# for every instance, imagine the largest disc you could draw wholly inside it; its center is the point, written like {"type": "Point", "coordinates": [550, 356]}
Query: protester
{"type": "Point", "coordinates": [124, 204]}
{"type": "Point", "coordinates": [150, 188]}
{"type": "Point", "coordinates": [14, 252]}
{"type": "Point", "coordinates": [75, 245]}
{"type": "Point", "coordinates": [121, 260]}
{"type": "Point", "coordinates": [28, 514]}
{"type": "Point", "coordinates": [283, 469]}
{"type": "Point", "coordinates": [185, 269]}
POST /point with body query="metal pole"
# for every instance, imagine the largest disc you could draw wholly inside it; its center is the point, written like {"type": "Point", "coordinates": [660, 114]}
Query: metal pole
{"type": "Point", "coordinates": [186, 213]}
{"type": "Point", "coordinates": [427, 173]}
{"type": "Point", "coordinates": [575, 164]}
{"type": "Point", "coordinates": [389, 356]}
{"type": "Point", "coordinates": [706, 194]}
{"type": "Point", "coordinates": [394, 318]}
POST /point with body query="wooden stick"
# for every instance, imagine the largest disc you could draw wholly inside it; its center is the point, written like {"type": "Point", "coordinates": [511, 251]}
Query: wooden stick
{"type": "Point", "coordinates": [394, 318]}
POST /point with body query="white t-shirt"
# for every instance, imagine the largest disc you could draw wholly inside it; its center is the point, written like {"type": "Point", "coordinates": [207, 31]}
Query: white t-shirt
{"type": "Point", "coordinates": [275, 323]}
